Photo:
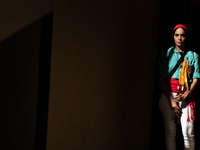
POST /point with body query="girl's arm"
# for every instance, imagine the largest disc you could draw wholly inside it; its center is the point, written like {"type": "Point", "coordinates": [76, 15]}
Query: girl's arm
{"type": "Point", "coordinates": [194, 84]}
{"type": "Point", "coordinates": [165, 90]}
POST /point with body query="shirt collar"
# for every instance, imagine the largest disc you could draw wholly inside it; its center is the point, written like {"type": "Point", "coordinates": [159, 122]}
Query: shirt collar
{"type": "Point", "coordinates": [175, 50]}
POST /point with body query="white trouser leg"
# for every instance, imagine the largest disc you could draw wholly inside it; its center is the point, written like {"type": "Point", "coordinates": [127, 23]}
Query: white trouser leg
{"type": "Point", "coordinates": [187, 127]}
{"type": "Point", "coordinates": [170, 126]}
{"type": "Point", "coordinates": [188, 131]}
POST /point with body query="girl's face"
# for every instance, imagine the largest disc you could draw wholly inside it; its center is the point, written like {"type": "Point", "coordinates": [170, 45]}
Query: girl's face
{"type": "Point", "coordinates": [180, 37]}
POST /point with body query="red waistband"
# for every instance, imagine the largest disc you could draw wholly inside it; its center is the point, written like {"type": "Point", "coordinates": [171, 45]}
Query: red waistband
{"type": "Point", "coordinates": [173, 86]}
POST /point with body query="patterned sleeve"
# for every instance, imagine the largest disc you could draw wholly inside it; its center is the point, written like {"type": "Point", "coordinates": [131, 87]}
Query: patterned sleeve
{"type": "Point", "coordinates": [196, 73]}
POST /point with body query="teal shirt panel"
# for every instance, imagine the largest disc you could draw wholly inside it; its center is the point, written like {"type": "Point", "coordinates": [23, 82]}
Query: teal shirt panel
{"type": "Point", "coordinates": [169, 58]}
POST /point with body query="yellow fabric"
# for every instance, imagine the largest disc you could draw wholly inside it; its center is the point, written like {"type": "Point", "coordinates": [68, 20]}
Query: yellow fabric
{"type": "Point", "coordinates": [184, 75]}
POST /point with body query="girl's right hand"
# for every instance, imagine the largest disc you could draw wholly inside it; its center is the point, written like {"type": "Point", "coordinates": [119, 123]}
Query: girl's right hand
{"type": "Point", "coordinates": [175, 106]}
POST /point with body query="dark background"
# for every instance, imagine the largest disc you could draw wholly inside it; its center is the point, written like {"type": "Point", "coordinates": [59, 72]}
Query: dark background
{"type": "Point", "coordinates": [102, 72]}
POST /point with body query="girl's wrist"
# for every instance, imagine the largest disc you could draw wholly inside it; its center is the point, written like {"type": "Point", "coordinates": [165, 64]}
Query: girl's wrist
{"type": "Point", "coordinates": [186, 93]}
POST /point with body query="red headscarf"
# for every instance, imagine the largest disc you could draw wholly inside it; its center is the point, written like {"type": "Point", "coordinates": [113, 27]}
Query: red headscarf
{"type": "Point", "coordinates": [180, 26]}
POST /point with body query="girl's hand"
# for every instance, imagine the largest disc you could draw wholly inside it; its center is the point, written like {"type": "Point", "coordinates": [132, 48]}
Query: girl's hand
{"type": "Point", "coordinates": [178, 98]}
{"type": "Point", "coordinates": [175, 106]}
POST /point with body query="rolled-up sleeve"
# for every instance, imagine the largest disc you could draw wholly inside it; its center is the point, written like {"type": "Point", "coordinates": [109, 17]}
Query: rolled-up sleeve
{"type": "Point", "coordinates": [162, 67]}
{"type": "Point", "coordinates": [196, 73]}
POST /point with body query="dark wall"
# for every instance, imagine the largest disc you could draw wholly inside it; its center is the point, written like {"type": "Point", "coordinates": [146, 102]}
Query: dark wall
{"type": "Point", "coordinates": [102, 69]}
{"type": "Point", "coordinates": [100, 90]}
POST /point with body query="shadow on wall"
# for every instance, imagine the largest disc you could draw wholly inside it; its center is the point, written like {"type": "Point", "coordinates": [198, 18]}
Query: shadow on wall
{"type": "Point", "coordinates": [24, 92]}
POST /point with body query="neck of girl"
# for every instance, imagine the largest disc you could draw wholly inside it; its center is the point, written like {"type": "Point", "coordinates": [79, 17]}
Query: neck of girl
{"type": "Point", "coordinates": [180, 48]}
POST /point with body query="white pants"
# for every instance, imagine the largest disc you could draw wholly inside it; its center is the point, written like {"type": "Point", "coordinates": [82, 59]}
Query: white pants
{"type": "Point", "coordinates": [170, 127]}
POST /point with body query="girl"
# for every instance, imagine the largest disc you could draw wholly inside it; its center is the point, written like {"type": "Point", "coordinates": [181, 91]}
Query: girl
{"type": "Point", "coordinates": [177, 92]}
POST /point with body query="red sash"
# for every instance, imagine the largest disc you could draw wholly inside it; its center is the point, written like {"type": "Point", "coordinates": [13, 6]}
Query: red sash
{"type": "Point", "coordinates": [173, 86]}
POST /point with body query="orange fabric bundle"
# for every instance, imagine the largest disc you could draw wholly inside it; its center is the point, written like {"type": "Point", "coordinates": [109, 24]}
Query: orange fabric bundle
{"type": "Point", "coordinates": [184, 75]}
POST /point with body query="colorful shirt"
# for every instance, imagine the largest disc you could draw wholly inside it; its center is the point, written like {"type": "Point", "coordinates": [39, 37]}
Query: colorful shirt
{"type": "Point", "coordinates": [169, 58]}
